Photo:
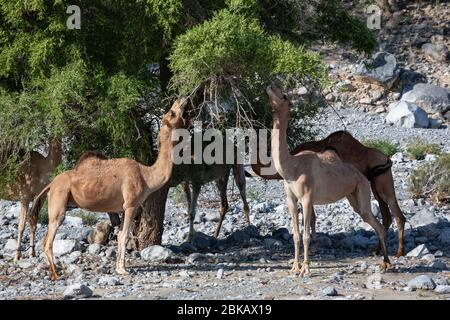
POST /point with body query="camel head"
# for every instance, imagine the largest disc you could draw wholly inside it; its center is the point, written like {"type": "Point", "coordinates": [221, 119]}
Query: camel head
{"type": "Point", "coordinates": [278, 99]}
{"type": "Point", "coordinates": [174, 117]}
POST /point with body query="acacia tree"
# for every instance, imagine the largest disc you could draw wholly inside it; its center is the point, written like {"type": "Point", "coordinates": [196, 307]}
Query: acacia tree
{"type": "Point", "coordinates": [101, 87]}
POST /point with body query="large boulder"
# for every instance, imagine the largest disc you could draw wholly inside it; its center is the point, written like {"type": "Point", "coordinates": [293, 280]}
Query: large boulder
{"type": "Point", "coordinates": [156, 254]}
{"type": "Point", "coordinates": [423, 218]}
{"type": "Point", "coordinates": [431, 98]}
{"type": "Point", "coordinates": [381, 69]}
{"type": "Point", "coordinates": [407, 115]}
{"type": "Point", "coordinates": [423, 282]}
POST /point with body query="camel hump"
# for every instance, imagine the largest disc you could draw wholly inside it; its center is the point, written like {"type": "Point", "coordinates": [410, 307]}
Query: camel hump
{"type": "Point", "coordinates": [90, 155]}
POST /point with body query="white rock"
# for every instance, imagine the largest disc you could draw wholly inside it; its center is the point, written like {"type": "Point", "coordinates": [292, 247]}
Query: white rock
{"type": "Point", "coordinates": [418, 251]}
{"type": "Point", "coordinates": [77, 290]}
{"type": "Point", "coordinates": [423, 282]}
{"type": "Point", "coordinates": [442, 289]}
{"type": "Point", "coordinates": [62, 247]}
{"type": "Point", "coordinates": [10, 246]}
{"type": "Point", "coordinates": [407, 115]}
{"type": "Point", "coordinates": [156, 253]}
{"type": "Point", "coordinates": [73, 221]}
{"type": "Point", "coordinates": [220, 273]}
{"type": "Point", "coordinates": [429, 97]}
{"type": "Point", "coordinates": [374, 281]}
{"type": "Point", "coordinates": [94, 248]}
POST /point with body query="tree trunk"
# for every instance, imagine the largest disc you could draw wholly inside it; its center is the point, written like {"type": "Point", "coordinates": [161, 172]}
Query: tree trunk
{"type": "Point", "coordinates": [150, 226]}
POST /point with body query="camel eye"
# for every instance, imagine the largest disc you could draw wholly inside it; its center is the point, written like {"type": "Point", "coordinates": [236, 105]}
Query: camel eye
{"type": "Point", "coordinates": [172, 114]}
{"type": "Point", "coordinates": [284, 96]}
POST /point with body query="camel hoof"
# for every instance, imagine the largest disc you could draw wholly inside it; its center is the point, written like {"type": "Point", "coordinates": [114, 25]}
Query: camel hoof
{"type": "Point", "coordinates": [18, 256]}
{"type": "Point", "coordinates": [295, 268]}
{"type": "Point", "coordinates": [305, 271]}
{"type": "Point", "coordinates": [122, 271]}
{"type": "Point", "coordinates": [400, 253]}
{"type": "Point", "coordinates": [385, 266]}
{"type": "Point", "coordinates": [54, 277]}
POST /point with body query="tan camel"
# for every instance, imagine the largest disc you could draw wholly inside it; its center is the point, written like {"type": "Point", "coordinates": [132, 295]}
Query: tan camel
{"type": "Point", "coordinates": [109, 185]}
{"type": "Point", "coordinates": [193, 176]}
{"type": "Point", "coordinates": [34, 175]}
{"type": "Point", "coordinates": [315, 178]}
{"type": "Point", "coordinates": [372, 163]}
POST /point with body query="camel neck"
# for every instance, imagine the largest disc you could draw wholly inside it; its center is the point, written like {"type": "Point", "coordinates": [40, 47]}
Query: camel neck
{"type": "Point", "coordinates": [280, 151]}
{"type": "Point", "coordinates": [160, 172]}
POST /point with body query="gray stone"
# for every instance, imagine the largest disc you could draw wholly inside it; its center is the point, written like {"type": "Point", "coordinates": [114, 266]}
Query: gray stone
{"type": "Point", "coordinates": [439, 265]}
{"type": "Point", "coordinates": [197, 257]}
{"type": "Point", "coordinates": [407, 115]}
{"type": "Point", "coordinates": [73, 257]}
{"type": "Point", "coordinates": [109, 281]}
{"type": "Point", "coordinates": [381, 69]}
{"type": "Point", "coordinates": [423, 282]}
{"type": "Point", "coordinates": [436, 52]}
{"type": "Point", "coordinates": [241, 237]}
{"type": "Point", "coordinates": [329, 291]}
{"type": "Point", "coordinates": [445, 236]}
{"type": "Point", "coordinates": [156, 254]}
{"type": "Point", "coordinates": [422, 218]}
{"type": "Point", "coordinates": [442, 289]}
{"type": "Point", "coordinates": [324, 241]}
{"type": "Point", "coordinates": [203, 241]}
{"type": "Point", "coordinates": [77, 290]}
{"type": "Point", "coordinates": [94, 248]}
{"type": "Point", "coordinates": [73, 221]}
{"type": "Point", "coordinates": [281, 234]}
{"type": "Point", "coordinates": [429, 97]}
{"type": "Point", "coordinates": [428, 257]}
{"type": "Point", "coordinates": [374, 281]}
{"type": "Point", "coordinates": [63, 247]}
{"type": "Point", "coordinates": [10, 246]}
{"type": "Point", "coordinates": [418, 252]}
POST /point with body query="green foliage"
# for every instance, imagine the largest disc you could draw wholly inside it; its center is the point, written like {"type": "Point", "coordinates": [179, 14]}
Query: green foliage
{"type": "Point", "coordinates": [89, 218]}
{"type": "Point", "coordinates": [387, 147]}
{"type": "Point", "coordinates": [177, 195]}
{"type": "Point", "coordinates": [418, 149]}
{"type": "Point", "coordinates": [43, 217]}
{"type": "Point", "coordinates": [432, 180]}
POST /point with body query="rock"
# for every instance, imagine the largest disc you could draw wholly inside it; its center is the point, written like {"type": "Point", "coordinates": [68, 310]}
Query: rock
{"type": "Point", "coordinates": [441, 281]}
{"type": "Point", "coordinates": [73, 221]}
{"type": "Point", "coordinates": [418, 252]}
{"type": "Point", "coordinates": [429, 97]}
{"type": "Point", "coordinates": [63, 247]}
{"type": "Point", "coordinates": [428, 257]}
{"type": "Point", "coordinates": [262, 207]}
{"type": "Point", "coordinates": [329, 291]}
{"type": "Point", "coordinates": [269, 242]}
{"type": "Point", "coordinates": [363, 266]}
{"type": "Point", "coordinates": [197, 257]}
{"type": "Point", "coordinates": [187, 247]}
{"type": "Point", "coordinates": [212, 216]}
{"type": "Point", "coordinates": [324, 241]}
{"type": "Point", "coordinates": [281, 234]}
{"type": "Point", "coordinates": [397, 157]}
{"type": "Point", "coordinates": [444, 236]}
{"type": "Point", "coordinates": [374, 281]}
{"type": "Point", "coordinates": [439, 265]}
{"type": "Point", "coordinates": [203, 241]}
{"type": "Point", "coordinates": [109, 281]}
{"type": "Point", "coordinates": [73, 257]}
{"type": "Point", "coordinates": [381, 69]}
{"type": "Point", "coordinates": [220, 273]}
{"type": "Point", "coordinates": [423, 282]}
{"type": "Point", "coordinates": [423, 218]}
{"type": "Point", "coordinates": [436, 52]}
{"type": "Point", "coordinates": [77, 290]}
{"type": "Point", "coordinates": [156, 254]}
{"type": "Point", "coordinates": [110, 253]}
{"type": "Point", "coordinates": [94, 248]}
{"type": "Point", "coordinates": [25, 264]}
{"type": "Point", "coordinates": [240, 237]}
{"type": "Point", "coordinates": [407, 115]}
{"type": "Point", "coordinates": [100, 233]}
{"type": "Point", "coordinates": [10, 246]}
{"type": "Point", "coordinates": [442, 289]}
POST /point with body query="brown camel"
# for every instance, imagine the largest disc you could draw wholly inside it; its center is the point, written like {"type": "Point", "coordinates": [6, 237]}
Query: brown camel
{"type": "Point", "coordinates": [372, 163]}
{"type": "Point", "coordinates": [109, 185]}
{"type": "Point", "coordinates": [193, 176]}
{"type": "Point", "coordinates": [316, 178]}
{"type": "Point", "coordinates": [34, 175]}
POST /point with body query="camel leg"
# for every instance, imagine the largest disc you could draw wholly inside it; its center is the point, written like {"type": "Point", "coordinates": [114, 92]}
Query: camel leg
{"type": "Point", "coordinates": [195, 193]}
{"type": "Point", "coordinates": [123, 238]}
{"type": "Point", "coordinates": [222, 184]}
{"type": "Point", "coordinates": [22, 220]}
{"type": "Point", "coordinates": [385, 188]}
{"type": "Point", "coordinates": [33, 219]}
{"type": "Point", "coordinates": [361, 203]}
{"type": "Point", "coordinates": [56, 213]}
{"type": "Point", "coordinates": [385, 214]}
{"type": "Point", "coordinates": [313, 232]}
{"type": "Point", "coordinates": [239, 178]}
{"type": "Point", "coordinates": [307, 213]}
{"type": "Point", "coordinates": [293, 209]}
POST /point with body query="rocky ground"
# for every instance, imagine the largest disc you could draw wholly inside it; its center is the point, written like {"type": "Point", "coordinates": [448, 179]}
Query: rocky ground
{"type": "Point", "coordinates": [253, 262]}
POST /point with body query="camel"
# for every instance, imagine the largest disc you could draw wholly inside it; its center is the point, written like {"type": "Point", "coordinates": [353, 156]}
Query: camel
{"type": "Point", "coordinates": [193, 176]}
{"type": "Point", "coordinates": [109, 185]}
{"type": "Point", "coordinates": [316, 178]}
{"type": "Point", "coordinates": [34, 175]}
{"type": "Point", "coordinates": [372, 163]}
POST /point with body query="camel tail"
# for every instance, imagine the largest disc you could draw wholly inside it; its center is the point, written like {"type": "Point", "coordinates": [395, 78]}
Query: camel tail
{"type": "Point", "coordinates": [38, 202]}
{"type": "Point", "coordinates": [380, 169]}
